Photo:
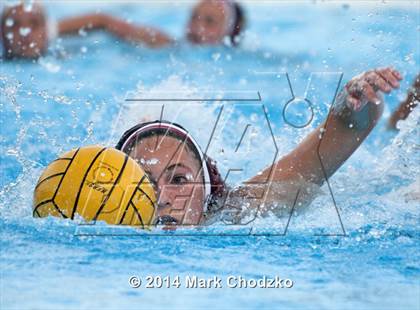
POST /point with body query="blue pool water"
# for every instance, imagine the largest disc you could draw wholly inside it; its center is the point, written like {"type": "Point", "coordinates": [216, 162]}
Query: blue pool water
{"type": "Point", "coordinates": [76, 96]}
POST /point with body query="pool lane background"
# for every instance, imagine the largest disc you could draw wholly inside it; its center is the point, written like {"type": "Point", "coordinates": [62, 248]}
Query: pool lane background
{"type": "Point", "coordinates": [75, 96]}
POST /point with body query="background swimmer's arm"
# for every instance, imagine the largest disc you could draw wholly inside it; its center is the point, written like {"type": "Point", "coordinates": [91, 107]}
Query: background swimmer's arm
{"type": "Point", "coordinates": [122, 29]}
{"type": "Point", "coordinates": [405, 107]}
{"type": "Point", "coordinates": [342, 132]}
{"type": "Point", "coordinates": [73, 25]}
{"type": "Point", "coordinates": [137, 34]}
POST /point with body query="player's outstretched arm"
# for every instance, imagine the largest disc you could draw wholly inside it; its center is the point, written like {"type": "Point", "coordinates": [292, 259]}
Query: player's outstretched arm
{"type": "Point", "coordinates": [357, 110]}
{"type": "Point", "coordinates": [120, 28]}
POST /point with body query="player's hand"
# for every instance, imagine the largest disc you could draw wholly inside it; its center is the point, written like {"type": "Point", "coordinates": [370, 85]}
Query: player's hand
{"type": "Point", "coordinates": [364, 87]}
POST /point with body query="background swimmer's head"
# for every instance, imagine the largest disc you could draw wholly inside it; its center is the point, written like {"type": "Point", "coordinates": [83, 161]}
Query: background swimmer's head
{"type": "Point", "coordinates": [24, 31]}
{"type": "Point", "coordinates": [213, 20]}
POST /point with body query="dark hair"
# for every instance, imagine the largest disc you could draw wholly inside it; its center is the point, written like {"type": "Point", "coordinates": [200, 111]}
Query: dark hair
{"type": "Point", "coordinates": [3, 40]}
{"type": "Point", "coordinates": [239, 24]}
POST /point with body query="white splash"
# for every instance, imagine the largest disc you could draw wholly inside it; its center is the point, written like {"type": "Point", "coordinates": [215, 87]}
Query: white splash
{"type": "Point", "coordinates": [9, 22]}
{"type": "Point", "coordinates": [152, 161]}
{"type": "Point", "coordinates": [215, 125]}
{"type": "Point", "coordinates": [255, 152]}
{"type": "Point", "coordinates": [24, 31]}
{"type": "Point", "coordinates": [189, 177]}
{"type": "Point", "coordinates": [49, 64]}
{"type": "Point", "coordinates": [28, 6]}
{"type": "Point", "coordinates": [82, 32]}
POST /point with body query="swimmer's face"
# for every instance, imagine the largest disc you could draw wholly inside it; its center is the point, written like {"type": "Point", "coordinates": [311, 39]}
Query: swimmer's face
{"type": "Point", "coordinates": [24, 31]}
{"type": "Point", "coordinates": [176, 174]}
{"type": "Point", "coordinates": [208, 23]}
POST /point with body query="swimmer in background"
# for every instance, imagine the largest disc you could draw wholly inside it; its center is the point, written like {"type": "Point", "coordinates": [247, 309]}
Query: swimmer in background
{"type": "Point", "coordinates": [26, 31]}
{"type": "Point", "coordinates": [191, 191]}
{"type": "Point", "coordinates": [212, 22]}
{"type": "Point", "coordinates": [406, 106]}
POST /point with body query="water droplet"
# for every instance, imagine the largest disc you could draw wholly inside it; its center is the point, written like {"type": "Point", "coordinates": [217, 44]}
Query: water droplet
{"type": "Point", "coordinates": [27, 7]}
{"type": "Point", "coordinates": [9, 22]}
{"type": "Point", "coordinates": [24, 31]}
{"type": "Point", "coordinates": [79, 85]}
{"type": "Point", "coordinates": [49, 65]}
{"type": "Point", "coordinates": [215, 56]}
{"type": "Point", "coordinates": [12, 152]}
{"type": "Point", "coordinates": [82, 32]}
{"type": "Point", "coordinates": [409, 57]}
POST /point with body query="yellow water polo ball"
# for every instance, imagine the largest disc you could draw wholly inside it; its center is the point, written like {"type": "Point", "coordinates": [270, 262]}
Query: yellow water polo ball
{"type": "Point", "coordinates": [98, 184]}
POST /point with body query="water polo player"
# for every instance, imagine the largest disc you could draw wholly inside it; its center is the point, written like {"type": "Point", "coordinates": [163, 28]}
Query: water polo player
{"type": "Point", "coordinates": [211, 22]}
{"type": "Point", "coordinates": [190, 188]}
{"type": "Point", "coordinates": [26, 30]}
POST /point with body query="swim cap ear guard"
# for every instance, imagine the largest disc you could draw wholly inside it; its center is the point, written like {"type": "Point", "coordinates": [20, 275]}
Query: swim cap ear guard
{"type": "Point", "coordinates": [213, 182]}
{"type": "Point", "coordinates": [239, 22]}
